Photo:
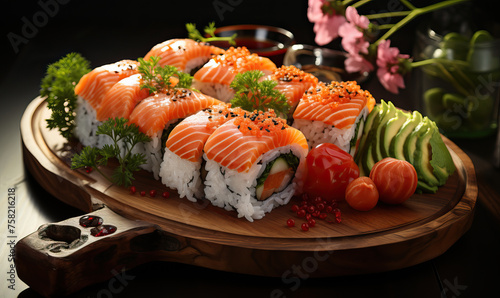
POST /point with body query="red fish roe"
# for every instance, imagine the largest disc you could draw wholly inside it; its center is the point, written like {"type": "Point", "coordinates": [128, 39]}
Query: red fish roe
{"type": "Point", "coordinates": [336, 93]}
{"type": "Point", "coordinates": [260, 123]}
{"type": "Point", "coordinates": [238, 58]}
{"type": "Point", "coordinates": [219, 114]}
{"type": "Point", "coordinates": [310, 208]}
{"type": "Point", "coordinates": [293, 74]}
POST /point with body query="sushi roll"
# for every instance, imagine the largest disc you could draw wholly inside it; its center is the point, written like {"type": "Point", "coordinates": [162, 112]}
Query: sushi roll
{"type": "Point", "coordinates": [334, 113]}
{"type": "Point", "coordinates": [185, 54]}
{"type": "Point", "coordinates": [215, 77]}
{"type": "Point", "coordinates": [182, 166]}
{"type": "Point", "coordinates": [158, 114]}
{"type": "Point", "coordinates": [253, 164]}
{"type": "Point", "coordinates": [293, 83]}
{"type": "Point", "coordinates": [91, 91]}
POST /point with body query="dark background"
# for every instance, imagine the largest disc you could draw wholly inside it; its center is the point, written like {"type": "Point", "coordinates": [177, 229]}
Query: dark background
{"type": "Point", "coordinates": [108, 31]}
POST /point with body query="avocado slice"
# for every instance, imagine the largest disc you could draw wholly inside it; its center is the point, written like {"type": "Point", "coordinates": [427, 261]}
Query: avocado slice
{"type": "Point", "coordinates": [363, 156]}
{"type": "Point", "coordinates": [441, 160]}
{"type": "Point", "coordinates": [410, 144]}
{"type": "Point", "coordinates": [371, 137]}
{"type": "Point", "coordinates": [423, 155]}
{"type": "Point", "coordinates": [390, 129]}
{"type": "Point", "coordinates": [423, 187]}
{"type": "Point", "coordinates": [396, 148]}
{"type": "Point", "coordinates": [366, 130]}
{"type": "Point", "coordinates": [376, 142]}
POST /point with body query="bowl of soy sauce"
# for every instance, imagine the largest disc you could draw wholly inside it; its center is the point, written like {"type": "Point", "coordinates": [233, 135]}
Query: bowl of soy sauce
{"type": "Point", "coordinates": [266, 41]}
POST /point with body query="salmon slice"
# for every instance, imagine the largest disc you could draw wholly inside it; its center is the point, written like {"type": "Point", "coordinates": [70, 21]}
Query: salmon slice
{"type": "Point", "coordinates": [188, 137]}
{"type": "Point", "coordinates": [276, 182]}
{"type": "Point", "coordinates": [122, 98]}
{"type": "Point", "coordinates": [238, 143]}
{"type": "Point", "coordinates": [337, 104]}
{"type": "Point", "coordinates": [292, 82]}
{"type": "Point", "coordinates": [94, 85]}
{"type": "Point", "coordinates": [221, 70]}
{"type": "Point", "coordinates": [185, 54]}
{"type": "Point", "coordinates": [153, 113]}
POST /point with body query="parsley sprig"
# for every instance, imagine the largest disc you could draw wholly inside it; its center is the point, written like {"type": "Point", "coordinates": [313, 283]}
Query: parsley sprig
{"type": "Point", "coordinates": [124, 136]}
{"type": "Point", "coordinates": [159, 78]}
{"type": "Point", "coordinates": [252, 94]}
{"type": "Point", "coordinates": [58, 86]}
{"type": "Point", "coordinates": [209, 30]}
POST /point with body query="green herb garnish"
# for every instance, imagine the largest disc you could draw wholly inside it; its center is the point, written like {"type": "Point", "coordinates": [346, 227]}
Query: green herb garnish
{"type": "Point", "coordinates": [125, 137]}
{"type": "Point", "coordinates": [58, 86]}
{"type": "Point", "coordinates": [251, 94]}
{"type": "Point", "coordinates": [209, 30]}
{"type": "Point", "coordinates": [157, 78]}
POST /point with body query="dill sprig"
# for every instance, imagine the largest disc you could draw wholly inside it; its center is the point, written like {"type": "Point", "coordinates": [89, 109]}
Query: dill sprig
{"type": "Point", "coordinates": [157, 78]}
{"type": "Point", "coordinates": [252, 94]}
{"type": "Point", "coordinates": [124, 137]}
{"type": "Point", "coordinates": [209, 30]}
{"type": "Point", "coordinates": [58, 86]}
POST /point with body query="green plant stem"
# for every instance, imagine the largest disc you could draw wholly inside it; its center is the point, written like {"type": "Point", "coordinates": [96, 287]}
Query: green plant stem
{"type": "Point", "coordinates": [359, 3]}
{"type": "Point", "coordinates": [388, 14]}
{"type": "Point", "coordinates": [417, 12]}
{"type": "Point", "coordinates": [408, 4]}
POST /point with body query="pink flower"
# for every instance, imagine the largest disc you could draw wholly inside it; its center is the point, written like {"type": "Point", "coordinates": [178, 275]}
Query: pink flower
{"type": "Point", "coordinates": [354, 18]}
{"type": "Point", "coordinates": [356, 63]}
{"type": "Point", "coordinates": [326, 26]}
{"type": "Point", "coordinates": [388, 62]}
{"type": "Point", "coordinates": [353, 40]}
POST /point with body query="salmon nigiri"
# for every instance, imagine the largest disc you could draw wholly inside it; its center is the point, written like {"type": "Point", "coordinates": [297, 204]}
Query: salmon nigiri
{"type": "Point", "coordinates": [333, 113]}
{"type": "Point", "coordinates": [122, 98]}
{"type": "Point", "coordinates": [184, 149]}
{"type": "Point", "coordinates": [93, 86]}
{"type": "Point", "coordinates": [153, 113]}
{"type": "Point", "coordinates": [185, 54]}
{"type": "Point", "coordinates": [215, 77]}
{"type": "Point", "coordinates": [253, 163]}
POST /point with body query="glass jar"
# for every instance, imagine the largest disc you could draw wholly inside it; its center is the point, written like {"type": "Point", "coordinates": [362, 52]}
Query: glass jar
{"type": "Point", "coordinates": [458, 82]}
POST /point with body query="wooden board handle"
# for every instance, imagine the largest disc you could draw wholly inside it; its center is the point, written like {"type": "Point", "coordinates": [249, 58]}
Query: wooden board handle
{"type": "Point", "coordinates": [62, 258]}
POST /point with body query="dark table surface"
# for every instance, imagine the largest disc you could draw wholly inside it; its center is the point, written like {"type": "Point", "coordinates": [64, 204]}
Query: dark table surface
{"type": "Point", "coordinates": [105, 33]}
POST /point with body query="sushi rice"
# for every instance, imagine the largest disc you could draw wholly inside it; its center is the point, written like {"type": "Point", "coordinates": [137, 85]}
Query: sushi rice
{"type": "Point", "coordinates": [233, 190]}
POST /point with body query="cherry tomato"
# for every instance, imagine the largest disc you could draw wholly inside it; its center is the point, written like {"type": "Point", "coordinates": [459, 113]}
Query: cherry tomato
{"type": "Point", "coordinates": [396, 180]}
{"type": "Point", "coordinates": [362, 194]}
{"type": "Point", "coordinates": [329, 171]}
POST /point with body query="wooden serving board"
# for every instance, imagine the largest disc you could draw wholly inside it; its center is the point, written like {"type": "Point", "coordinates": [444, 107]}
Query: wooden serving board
{"type": "Point", "coordinates": [385, 238]}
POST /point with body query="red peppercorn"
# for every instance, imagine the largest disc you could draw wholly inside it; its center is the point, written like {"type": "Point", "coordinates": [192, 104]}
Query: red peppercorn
{"type": "Point", "coordinates": [311, 209]}
{"type": "Point", "coordinates": [152, 193]}
{"type": "Point", "coordinates": [290, 222]}
{"type": "Point", "coordinates": [311, 222]}
{"type": "Point", "coordinates": [301, 213]}
{"type": "Point", "coordinates": [165, 194]}
{"type": "Point", "coordinates": [295, 208]}
{"type": "Point", "coordinates": [320, 206]}
{"type": "Point", "coordinates": [323, 215]}
{"type": "Point", "coordinates": [143, 193]}
{"type": "Point", "coordinates": [304, 227]}
{"type": "Point", "coordinates": [133, 189]}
